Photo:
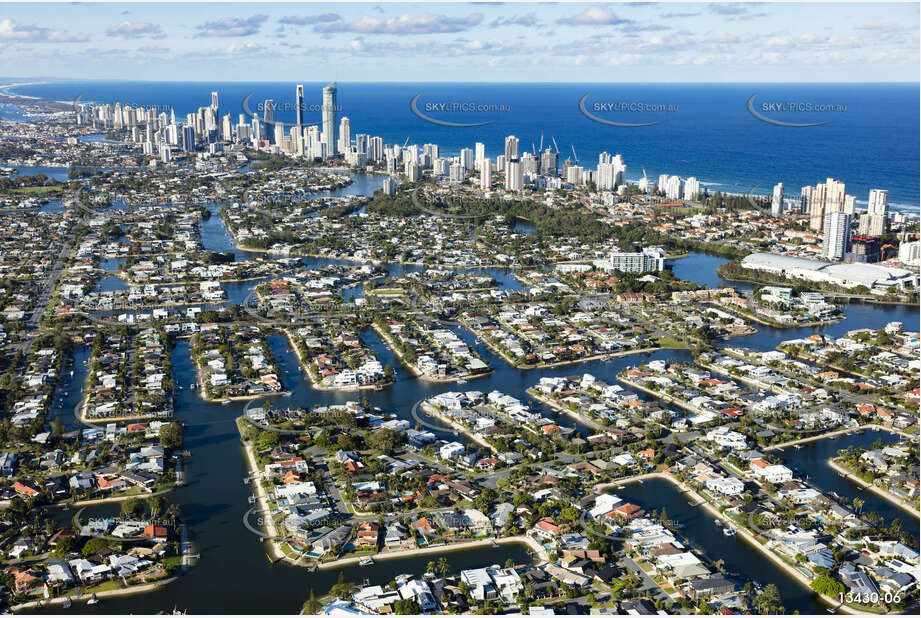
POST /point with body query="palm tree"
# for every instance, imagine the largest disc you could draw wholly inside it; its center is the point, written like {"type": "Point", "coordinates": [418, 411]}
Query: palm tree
{"type": "Point", "coordinates": [443, 567]}
{"type": "Point", "coordinates": [858, 504]}
{"type": "Point", "coordinates": [430, 567]}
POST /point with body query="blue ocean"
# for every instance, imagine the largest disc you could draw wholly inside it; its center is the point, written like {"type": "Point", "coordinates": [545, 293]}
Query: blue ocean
{"type": "Point", "coordinates": [868, 136]}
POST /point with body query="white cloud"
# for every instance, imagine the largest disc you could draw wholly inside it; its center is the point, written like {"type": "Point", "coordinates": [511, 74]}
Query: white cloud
{"type": "Point", "coordinates": [136, 30]}
{"type": "Point", "coordinates": [427, 23]}
{"type": "Point", "coordinates": [232, 27]}
{"type": "Point", "coordinates": [13, 31]}
{"type": "Point", "coordinates": [597, 15]}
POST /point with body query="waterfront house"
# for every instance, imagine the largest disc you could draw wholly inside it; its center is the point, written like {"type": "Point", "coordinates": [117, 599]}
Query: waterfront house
{"type": "Point", "coordinates": [367, 535]}
{"type": "Point", "coordinates": [709, 586]}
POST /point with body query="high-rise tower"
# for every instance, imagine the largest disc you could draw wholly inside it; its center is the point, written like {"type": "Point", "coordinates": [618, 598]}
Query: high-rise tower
{"type": "Point", "coordinates": [329, 118]}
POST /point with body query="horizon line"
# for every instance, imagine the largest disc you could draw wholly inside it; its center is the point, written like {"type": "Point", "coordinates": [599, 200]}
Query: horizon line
{"type": "Point", "coordinates": [257, 81]}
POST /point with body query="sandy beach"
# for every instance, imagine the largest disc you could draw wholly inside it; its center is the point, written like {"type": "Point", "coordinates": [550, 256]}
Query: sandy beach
{"type": "Point", "coordinates": [532, 545]}
{"type": "Point", "coordinates": [879, 491]}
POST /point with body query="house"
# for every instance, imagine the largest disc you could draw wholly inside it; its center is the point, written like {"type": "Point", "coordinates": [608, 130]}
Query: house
{"type": "Point", "coordinates": [628, 511]}
{"type": "Point", "coordinates": [727, 486]}
{"type": "Point", "coordinates": [423, 526]}
{"type": "Point", "coordinates": [546, 529]}
{"type": "Point", "coordinates": [367, 534]}
{"type": "Point", "coordinates": [156, 533]}
{"type": "Point", "coordinates": [479, 583]}
{"type": "Point", "coordinates": [24, 578]}
{"type": "Point", "coordinates": [451, 450]}
{"type": "Point", "coordinates": [710, 586]}
{"type": "Point", "coordinates": [397, 537]}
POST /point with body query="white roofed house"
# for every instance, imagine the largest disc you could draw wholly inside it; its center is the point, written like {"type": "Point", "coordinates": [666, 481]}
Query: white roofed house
{"type": "Point", "coordinates": [451, 450]}
{"type": "Point", "coordinates": [507, 583]}
{"type": "Point", "coordinates": [420, 591]}
{"type": "Point", "coordinates": [477, 522]}
{"type": "Point", "coordinates": [480, 584]}
{"type": "Point", "coordinates": [727, 486]}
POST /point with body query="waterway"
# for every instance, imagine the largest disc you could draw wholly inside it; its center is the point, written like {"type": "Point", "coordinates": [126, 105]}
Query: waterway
{"type": "Point", "coordinates": [812, 459]}
{"type": "Point", "coordinates": [234, 575]}
{"type": "Point", "coordinates": [696, 525]}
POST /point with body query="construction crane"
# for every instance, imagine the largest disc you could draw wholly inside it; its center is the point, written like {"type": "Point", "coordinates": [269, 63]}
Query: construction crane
{"type": "Point", "coordinates": [406, 142]}
{"type": "Point", "coordinates": [554, 144]}
{"type": "Point", "coordinates": [533, 149]}
{"type": "Point", "coordinates": [645, 181]}
{"type": "Point", "coordinates": [541, 148]}
{"type": "Point", "coordinates": [574, 156]}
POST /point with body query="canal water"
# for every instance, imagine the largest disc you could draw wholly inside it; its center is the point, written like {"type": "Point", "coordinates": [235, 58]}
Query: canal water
{"type": "Point", "coordinates": [58, 172]}
{"type": "Point", "coordinates": [812, 459]}
{"type": "Point", "coordinates": [234, 575]}
{"type": "Point", "coordinates": [738, 555]}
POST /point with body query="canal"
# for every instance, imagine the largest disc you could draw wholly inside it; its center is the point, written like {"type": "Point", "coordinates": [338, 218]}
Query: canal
{"type": "Point", "coordinates": [696, 525]}
{"type": "Point", "coordinates": [234, 575]}
{"type": "Point", "coordinates": [811, 458]}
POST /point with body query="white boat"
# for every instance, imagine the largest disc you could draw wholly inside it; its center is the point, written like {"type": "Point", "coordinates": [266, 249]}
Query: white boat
{"type": "Point", "coordinates": [729, 532]}
{"type": "Point", "coordinates": [366, 561]}
{"type": "Point", "coordinates": [717, 522]}
{"type": "Point", "coordinates": [93, 600]}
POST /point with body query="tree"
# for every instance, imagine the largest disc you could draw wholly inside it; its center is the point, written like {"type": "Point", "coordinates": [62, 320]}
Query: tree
{"type": "Point", "coordinates": [155, 505]}
{"type": "Point", "coordinates": [858, 504]}
{"type": "Point", "coordinates": [768, 602]}
{"type": "Point", "coordinates": [386, 441]}
{"type": "Point", "coordinates": [94, 546]}
{"type": "Point", "coordinates": [407, 607]}
{"type": "Point", "coordinates": [64, 546]}
{"type": "Point", "coordinates": [132, 508]}
{"type": "Point", "coordinates": [267, 439]}
{"type": "Point", "coordinates": [57, 427]}
{"type": "Point", "coordinates": [826, 584]}
{"type": "Point", "coordinates": [171, 435]}
{"type": "Point", "coordinates": [312, 606]}
{"type": "Point", "coordinates": [443, 567]}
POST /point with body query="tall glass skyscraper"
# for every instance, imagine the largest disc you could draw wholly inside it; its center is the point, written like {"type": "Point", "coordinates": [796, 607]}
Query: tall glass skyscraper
{"type": "Point", "coordinates": [329, 119]}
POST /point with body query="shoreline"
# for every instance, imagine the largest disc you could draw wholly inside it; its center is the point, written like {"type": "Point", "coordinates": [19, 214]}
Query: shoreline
{"type": "Point", "coordinates": [746, 534]}
{"type": "Point", "coordinates": [514, 364]}
{"type": "Point", "coordinates": [837, 432]}
{"type": "Point", "coordinates": [779, 325]}
{"type": "Point", "coordinates": [579, 417]}
{"type": "Point", "coordinates": [661, 396]}
{"type": "Point", "coordinates": [262, 498]}
{"type": "Point", "coordinates": [793, 282]}
{"type": "Point", "coordinates": [525, 540]}
{"type": "Point", "coordinates": [314, 384]}
{"type": "Point", "coordinates": [432, 411]}
{"type": "Point", "coordinates": [414, 370]}
{"type": "Point", "coordinates": [882, 493]}
{"type": "Point", "coordinates": [277, 554]}
{"type": "Point", "coordinates": [104, 594]}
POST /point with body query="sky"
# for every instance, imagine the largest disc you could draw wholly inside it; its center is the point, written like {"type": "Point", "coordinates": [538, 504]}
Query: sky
{"type": "Point", "coordinates": [463, 42]}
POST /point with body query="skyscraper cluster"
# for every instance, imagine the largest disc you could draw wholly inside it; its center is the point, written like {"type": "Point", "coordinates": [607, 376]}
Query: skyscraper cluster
{"type": "Point", "coordinates": [832, 211]}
